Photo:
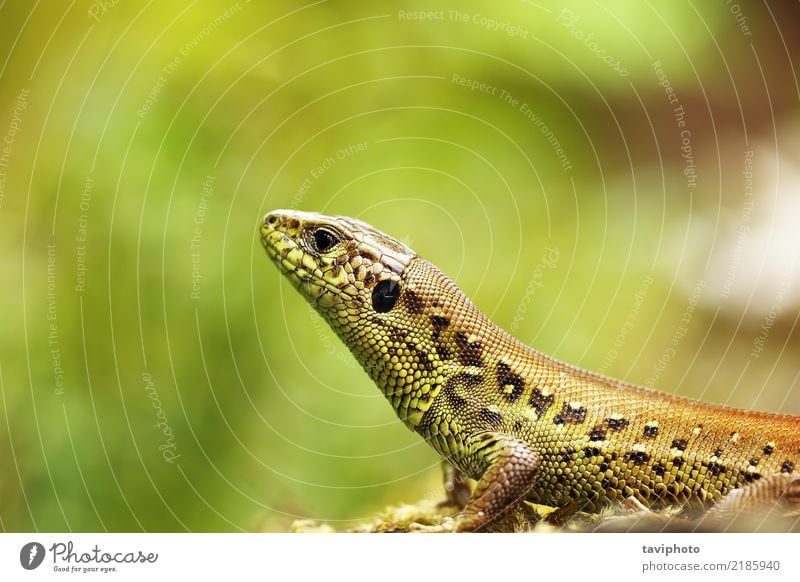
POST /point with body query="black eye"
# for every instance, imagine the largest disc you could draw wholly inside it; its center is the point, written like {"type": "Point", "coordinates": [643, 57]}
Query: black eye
{"type": "Point", "coordinates": [324, 240]}
{"type": "Point", "coordinates": [385, 295]}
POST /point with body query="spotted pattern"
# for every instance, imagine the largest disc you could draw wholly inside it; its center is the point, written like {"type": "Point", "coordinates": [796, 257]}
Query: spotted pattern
{"type": "Point", "coordinates": [680, 444]}
{"type": "Point", "coordinates": [572, 413]}
{"type": "Point", "coordinates": [617, 423]}
{"type": "Point", "coordinates": [469, 350]}
{"type": "Point", "coordinates": [638, 457]}
{"type": "Point", "coordinates": [413, 302]}
{"type": "Point", "coordinates": [598, 433]}
{"type": "Point", "coordinates": [425, 359]}
{"type": "Point", "coordinates": [650, 430]}
{"type": "Point", "coordinates": [439, 323]}
{"type": "Point", "coordinates": [591, 452]}
{"type": "Point", "coordinates": [752, 476]}
{"type": "Point", "coordinates": [511, 385]}
{"type": "Point", "coordinates": [540, 402]}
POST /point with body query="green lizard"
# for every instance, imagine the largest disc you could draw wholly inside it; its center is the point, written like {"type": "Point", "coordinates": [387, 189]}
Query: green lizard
{"type": "Point", "coordinates": [522, 424]}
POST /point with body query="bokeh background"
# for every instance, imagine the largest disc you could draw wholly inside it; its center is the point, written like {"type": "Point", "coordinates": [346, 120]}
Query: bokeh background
{"type": "Point", "coordinates": [616, 183]}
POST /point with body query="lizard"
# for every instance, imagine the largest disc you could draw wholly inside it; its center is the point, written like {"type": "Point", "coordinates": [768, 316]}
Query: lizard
{"type": "Point", "coordinates": [522, 424]}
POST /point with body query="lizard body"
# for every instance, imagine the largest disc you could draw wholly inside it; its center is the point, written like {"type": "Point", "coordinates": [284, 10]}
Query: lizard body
{"type": "Point", "coordinates": [521, 423]}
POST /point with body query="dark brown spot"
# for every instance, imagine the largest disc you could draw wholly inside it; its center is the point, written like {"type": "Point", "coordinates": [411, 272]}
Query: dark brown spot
{"type": "Point", "coordinates": [570, 414]}
{"type": "Point", "coordinates": [768, 450]}
{"type": "Point", "coordinates": [517, 425]}
{"type": "Point", "coordinates": [638, 457]}
{"type": "Point", "coordinates": [439, 323]}
{"type": "Point", "coordinates": [679, 444]}
{"type": "Point", "coordinates": [591, 452]}
{"type": "Point", "coordinates": [659, 469]}
{"type": "Point", "coordinates": [469, 352]}
{"type": "Point", "coordinates": [398, 335]}
{"type": "Point", "coordinates": [443, 352]}
{"type": "Point", "coordinates": [560, 479]}
{"type": "Point", "coordinates": [423, 359]}
{"type": "Point", "coordinates": [718, 453]}
{"type": "Point", "coordinates": [753, 462]}
{"type": "Point", "coordinates": [413, 303]}
{"type": "Point", "coordinates": [495, 419]}
{"type": "Point", "coordinates": [369, 279]}
{"type": "Point", "coordinates": [603, 467]}
{"type": "Point", "coordinates": [605, 483]}
{"type": "Point", "coordinates": [566, 456]}
{"type": "Point", "coordinates": [650, 431]}
{"type": "Point", "coordinates": [750, 477]}
{"type": "Point", "coordinates": [598, 433]}
{"type": "Point", "coordinates": [505, 377]}
{"type": "Point", "coordinates": [539, 402]}
{"type": "Point", "coordinates": [617, 423]}
{"type": "Point", "coordinates": [678, 462]}
{"type": "Point", "coordinates": [715, 468]}
{"type": "Point", "coordinates": [787, 467]}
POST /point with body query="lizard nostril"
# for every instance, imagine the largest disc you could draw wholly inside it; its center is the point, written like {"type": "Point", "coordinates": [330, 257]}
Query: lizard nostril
{"type": "Point", "coordinates": [271, 219]}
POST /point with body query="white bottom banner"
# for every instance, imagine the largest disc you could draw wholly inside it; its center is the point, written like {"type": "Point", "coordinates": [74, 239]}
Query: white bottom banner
{"type": "Point", "coordinates": [388, 557]}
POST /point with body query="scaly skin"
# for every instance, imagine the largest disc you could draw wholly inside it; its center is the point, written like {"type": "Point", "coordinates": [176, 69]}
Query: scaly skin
{"type": "Point", "coordinates": [519, 422]}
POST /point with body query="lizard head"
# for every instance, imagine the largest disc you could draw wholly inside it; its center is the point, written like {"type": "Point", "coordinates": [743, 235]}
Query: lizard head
{"type": "Point", "coordinates": [362, 282]}
{"type": "Point", "coordinates": [344, 267]}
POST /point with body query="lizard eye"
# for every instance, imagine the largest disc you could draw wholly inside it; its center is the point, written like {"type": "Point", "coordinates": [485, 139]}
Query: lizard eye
{"type": "Point", "coordinates": [324, 240]}
{"type": "Point", "coordinates": [385, 295]}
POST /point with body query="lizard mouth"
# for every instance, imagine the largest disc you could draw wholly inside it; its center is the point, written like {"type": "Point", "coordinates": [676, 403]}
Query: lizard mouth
{"type": "Point", "coordinates": [302, 269]}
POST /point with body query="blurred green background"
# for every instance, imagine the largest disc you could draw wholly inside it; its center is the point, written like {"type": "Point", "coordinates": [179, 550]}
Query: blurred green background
{"type": "Point", "coordinates": [156, 373]}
